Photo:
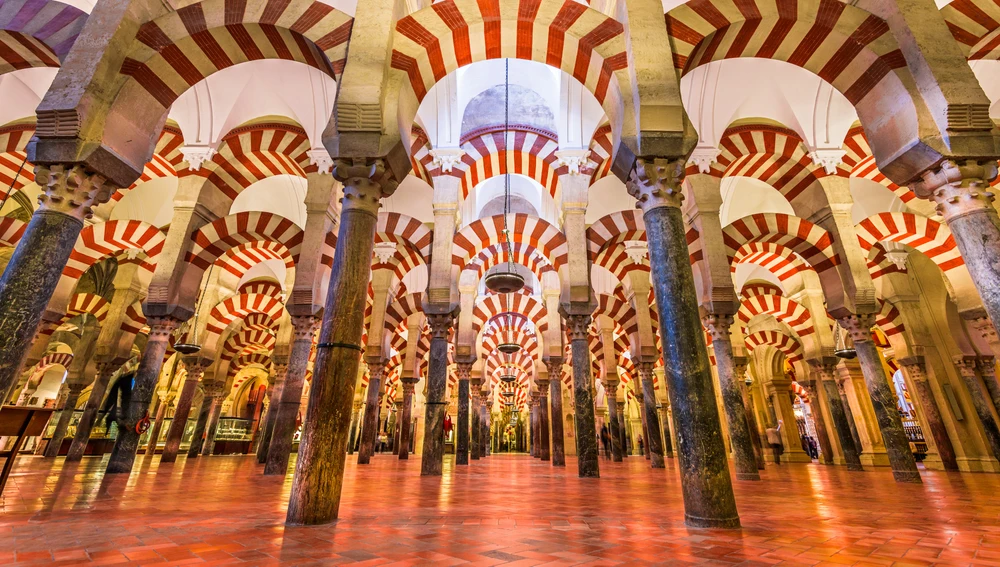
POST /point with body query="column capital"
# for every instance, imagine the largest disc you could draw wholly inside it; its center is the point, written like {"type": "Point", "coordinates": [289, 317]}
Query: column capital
{"type": "Point", "coordinates": [958, 187]}
{"type": "Point", "coordinates": [71, 190]}
{"type": "Point", "coordinates": [858, 327]}
{"type": "Point", "coordinates": [213, 388]}
{"type": "Point", "coordinates": [826, 367]}
{"type": "Point", "coordinates": [195, 366]}
{"type": "Point", "coordinates": [578, 318]}
{"type": "Point", "coordinates": [366, 182]}
{"type": "Point", "coordinates": [645, 366]}
{"type": "Point", "coordinates": [986, 363]}
{"type": "Point", "coordinates": [915, 368]}
{"type": "Point", "coordinates": [439, 320]}
{"type": "Point", "coordinates": [980, 321]}
{"type": "Point", "coordinates": [304, 327]}
{"type": "Point", "coordinates": [554, 365]}
{"type": "Point", "coordinates": [656, 183]}
{"type": "Point", "coordinates": [464, 367]}
{"type": "Point", "coordinates": [279, 371]}
{"type": "Point", "coordinates": [966, 365]}
{"type": "Point", "coordinates": [161, 327]}
{"type": "Point", "coordinates": [718, 325]}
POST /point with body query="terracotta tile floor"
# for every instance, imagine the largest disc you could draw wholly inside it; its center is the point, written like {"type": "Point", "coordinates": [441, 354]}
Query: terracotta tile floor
{"type": "Point", "coordinates": [504, 510]}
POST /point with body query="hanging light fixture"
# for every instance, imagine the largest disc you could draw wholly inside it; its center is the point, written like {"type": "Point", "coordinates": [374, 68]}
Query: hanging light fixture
{"type": "Point", "coordinates": [506, 279]}
{"type": "Point", "coordinates": [507, 394]}
{"type": "Point", "coordinates": [508, 346]}
{"type": "Point", "coordinates": [190, 346]}
{"type": "Point", "coordinates": [508, 378]}
{"type": "Point", "coordinates": [843, 345]}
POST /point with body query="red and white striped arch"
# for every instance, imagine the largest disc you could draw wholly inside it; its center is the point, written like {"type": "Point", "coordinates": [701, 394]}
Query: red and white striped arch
{"type": "Point", "coordinates": [261, 359]}
{"type": "Point", "coordinates": [483, 233]}
{"type": "Point", "coordinates": [165, 161]}
{"type": "Point", "coordinates": [786, 310]}
{"type": "Point", "coordinates": [564, 34]}
{"type": "Point", "coordinates": [789, 346]}
{"type": "Point", "coordinates": [11, 231]}
{"type": "Point", "coordinates": [249, 154]}
{"type": "Point", "coordinates": [239, 306]}
{"type": "Point", "coordinates": [615, 259]}
{"type": "Point", "coordinates": [760, 288]}
{"type": "Point", "coordinates": [888, 318]}
{"type": "Point", "coordinates": [262, 286]}
{"type": "Point", "coordinates": [846, 46]}
{"type": "Point", "coordinates": [602, 147]}
{"type": "Point", "coordinates": [247, 340]}
{"type": "Point", "coordinates": [812, 243]}
{"type": "Point", "coordinates": [491, 305]}
{"type": "Point", "coordinates": [529, 343]}
{"type": "Point", "coordinates": [183, 46]}
{"type": "Point", "coordinates": [879, 264]}
{"type": "Point", "coordinates": [37, 33]}
{"type": "Point", "coordinates": [134, 321]}
{"type": "Point", "coordinates": [15, 169]}
{"type": "Point", "coordinates": [63, 359]}
{"type": "Point", "coordinates": [400, 309]}
{"type": "Point", "coordinates": [79, 304]}
{"type": "Point", "coordinates": [925, 235]}
{"type": "Point", "coordinates": [495, 151]}
{"type": "Point", "coordinates": [521, 254]}
{"type": "Point", "coordinates": [615, 228]}
{"type": "Point", "coordinates": [241, 258]}
{"type": "Point", "coordinates": [976, 27]}
{"type": "Point", "coordinates": [99, 241]}
{"type": "Point", "coordinates": [216, 238]}
{"type": "Point", "coordinates": [860, 160]}
{"type": "Point", "coordinates": [619, 310]}
{"type": "Point", "coordinates": [258, 320]}
{"type": "Point", "coordinates": [780, 260]}
{"type": "Point", "coordinates": [404, 260]}
{"type": "Point", "coordinates": [402, 229]}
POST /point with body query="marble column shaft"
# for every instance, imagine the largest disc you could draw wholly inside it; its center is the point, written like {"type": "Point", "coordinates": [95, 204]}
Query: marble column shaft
{"type": "Point", "coordinates": [280, 371]}
{"type": "Point", "coordinates": [475, 448]}
{"type": "Point", "coordinates": [587, 456]}
{"type": "Point", "coordinates": [916, 370]}
{"type": "Point", "coordinates": [162, 405]}
{"type": "Point", "coordinates": [883, 397]}
{"type": "Point", "coordinates": [840, 412]}
{"type": "Point", "coordinates": [370, 422]}
{"type": "Point", "coordinates": [733, 403]}
{"type": "Point", "coordinates": [435, 406]}
{"type": "Point", "coordinates": [654, 440]}
{"type": "Point", "coordinates": [462, 438]}
{"type": "Point", "coordinates": [69, 193]}
{"type": "Point", "coordinates": [319, 468]}
{"type": "Point", "coordinates": [195, 371]}
{"type": "Point", "coordinates": [706, 485]}
{"type": "Point", "coordinates": [79, 446]}
{"type": "Point", "coordinates": [556, 412]}
{"type": "Point", "coordinates": [614, 426]}
{"type": "Point", "coordinates": [146, 377]}
{"type": "Point", "coordinates": [405, 419]}
{"type": "Point", "coordinates": [72, 395]}
{"type": "Point", "coordinates": [208, 448]}
{"type": "Point", "coordinates": [544, 447]}
{"type": "Point", "coordinates": [287, 410]}
{"type": "Point", "coordinates": [201, 425]}
{"type": "Point", "coordinates": [825, 447]}
{"type": "Point", "coordinates": [967, 368]}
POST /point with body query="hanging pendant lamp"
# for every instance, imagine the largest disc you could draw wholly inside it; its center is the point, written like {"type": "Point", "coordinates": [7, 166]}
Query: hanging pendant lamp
{"type": "Point", "coordinates": [508, 378]}
{"type": "Point", "coordinates": [843, 346]}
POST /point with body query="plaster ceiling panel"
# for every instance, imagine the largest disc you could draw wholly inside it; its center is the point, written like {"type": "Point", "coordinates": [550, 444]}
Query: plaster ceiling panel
{"type": "Point", "coordinates": [413, 198]}
{"type": "Point", "coordinates": [607, 196]}
{"type": "Point", "coordinates": [282, 195]}
{"type": "Point", "coordinates": [988, 73]}
{"type": "Point", "coordinates": [150, 202]}
{"type": "Point", "coordinates": [22, 90]}
{"type": "Point", "coordinates": [742, 196]}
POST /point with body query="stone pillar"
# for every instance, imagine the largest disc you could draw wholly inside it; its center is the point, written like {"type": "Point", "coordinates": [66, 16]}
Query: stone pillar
{"type": "Point", "coordinates": [441, 323]}
{"type": "Point", "coordinates": [544, 446]}
{"type": "Point", "coordinates": [705, 481]}
{"type": "Point", "coordinates": [987, 370]}
{"type": "Point", "coordinates": [825, 447]}
{"type": "Point", "coordinates": [462, 442]}
{"type": "Point", "coordinates": [731, 387]}
{"type": "Point", "coordinates": [370, 423]}
{"type": "Point", "coordinates": [967, 367]}
{"type": "Point", "coordinates": [654, 441]}
{"type": "Point", "coordinates": [484, 422]}
{"type": "Point", "coordinates": [79, 446]}
{"type": "Point", "coordinates": [69, 194]}
{"type": "Point", "coordinates": [840, 411]}
{"type": "Point", "coordinates": [146, 377]}
{"type": "Point", "coordinates": [355, 417]}
{"type": "Point", "coordinates": [405, 419]}
{"type": "Point", "coordinates": [963, 197]}
{"type": "Point", "coordinates": [319, 469]}
{"type": "Point", "coordinates": [558, 450]}
{"type": "Point", "coordinates": [287, 410]}
{"type": "Point", "coordinates": [622, 427]}
{"type": "Point", "coordinates": [916, 370]}
{"type": "Point", "coordinates": [740, 371]}
{"type": "Point", "coordinates": [215, 412]}
{"type": "Point", "coordinates": [475, 392]}
{"type": "Point", "coordinates": [70, 395]}
{"type": "Point", "coordinates": [278, 373]}
{"type": "Point", "coordinates": [577, 321]}
{"type": "Point", "coordinates": [614, 426]}
{"type": "Point", "coordinates": [208, 401]}
{"type": "Point", "coordinates": [163, 401]}
{"type": "Point", "coordinates": [883, 397]}
{"type": "Point", "coordinates": [668, 440]}
{"type": "Point", "coordinates": [195, 370]}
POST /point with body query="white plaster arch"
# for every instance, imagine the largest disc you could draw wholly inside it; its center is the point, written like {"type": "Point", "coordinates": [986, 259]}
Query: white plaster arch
{"type": "Point", "coordinates": [283, 195]}
{"type": "Point", "coordinates": [742, 196]}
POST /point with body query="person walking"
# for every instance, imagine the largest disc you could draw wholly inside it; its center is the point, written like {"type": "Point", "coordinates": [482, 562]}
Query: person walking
{"type": "Point", "coordinates": [774, 440]}
{"type": "Point", "coordinates": [606, 441]}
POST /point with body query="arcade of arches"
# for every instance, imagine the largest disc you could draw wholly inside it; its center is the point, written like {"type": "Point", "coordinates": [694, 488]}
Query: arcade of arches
{"type": "Point", "coordinates": [265, 228]}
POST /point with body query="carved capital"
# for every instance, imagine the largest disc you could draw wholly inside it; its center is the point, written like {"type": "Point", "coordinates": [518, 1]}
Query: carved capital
{"type": "Point", "coordinates": [196, 156]}
{"type": "Point", "coordinates": [278, 372]}
{"type": "Point", "coordinates": [656, 183]}
{"type": "Point", "coordinates": [825, 367]}
{"type": "Point", "coordinates": [464, 369]}
{"type": "Point", "coordinates": [554, 364]}
{"type": "Point", "coordinates": [858, 327]}
{"type": "Point", "coordinates": [441, 323]}
{"type": "Point", "coordinates": [213, 389]}
{"type": "Point", "coordinates": [645, 368]}
{"type": "Point", "coordinates": [446, 159]}
{"type": "Point", "coordinates": [195, 366]}
{"type": "Point", "coordinates": [718, 325]}
{"type": "Point", "coordinates": [958, 188]}
{"type": "Point", "coordinates": [915, 368]}
{"type": "Point", "coordinates": [578, 318]}
{"type": "Point", "coordinates": [71, 190]}
{"type": "Point", "coordinates": [161, 327]}
{"type": "Point", "coordinates": [366, 183]}
{"type": "Point", "coordinates": [304, 327]}
{"type": "Point", "coordinates": [984, 326]}
{"type": "Point", "coordinates": [575, 161]}
{"type": "Point", "coordinates": [703, 157]}
{"type": "Point", "coordinates": [986, 363]}
{"type": "Point", "coordinates": [828, 158]}
{"type": "Point", "coordinates": [966, 365]}
{"type": "Point", "coordinates": [321, 159]}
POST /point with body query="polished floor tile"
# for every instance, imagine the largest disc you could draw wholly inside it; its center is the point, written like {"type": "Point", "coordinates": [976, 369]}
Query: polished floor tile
{"type": "Point", "coordinates": [511, 510]}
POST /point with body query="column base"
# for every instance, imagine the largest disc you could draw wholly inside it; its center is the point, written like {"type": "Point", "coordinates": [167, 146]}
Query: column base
{"type": "Point", "coordinates": [855, 468]}
{"type": "Point", "coordinates": [747, 476]}
{"type": "Point", "coordinates": [724, 523]}
{"type": "Point", "coordinates": [907, 476]}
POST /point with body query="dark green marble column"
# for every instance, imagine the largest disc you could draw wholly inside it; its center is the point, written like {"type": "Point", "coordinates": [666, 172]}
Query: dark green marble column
{"type": "Point", "coordinates": [476, 443]}
{"type": "Point", "coordinates": [554, 366]}
{"type": "Point", "coordinates": [79, 446]}
{"type": "Point", "coordinates": [370, 422]}
{"type": "Point", "coordinates": [441, 321]}
{"type": "Point", "coordinates": [967, 367]}
{"type": "Point", "coordinates": [705, 481]}
{"type": "Point", "coordinates": [654, 441]}
{"type": "Point", "coordinates": [544, 450]}
{"type": "Point", "coordinates": [883, 397]}
{"type": "Point", "coordinates": [462, 438]}
{"type": "Point", "coordinates": [405, 423]}
{"type": "Point", "coordinates": [587, 457]}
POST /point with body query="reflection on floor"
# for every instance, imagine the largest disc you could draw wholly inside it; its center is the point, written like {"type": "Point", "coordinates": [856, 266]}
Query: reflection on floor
{"type": "Point", "coordinates": [505, 509]}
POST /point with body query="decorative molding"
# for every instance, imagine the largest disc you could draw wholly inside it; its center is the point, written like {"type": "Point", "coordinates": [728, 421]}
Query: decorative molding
{"type": "Point", "coordinates": [704, 157]}
{"type": "Point", "coordinates": [197, 155]}
{"type": "Point", "coordinates": [446, 158]}
{"type": "Point", "coordinates": [828, 158]}
{"type": "Point", "coordinates": [573, 160]}
{"type": "Point", "coordinates": [321, 159]}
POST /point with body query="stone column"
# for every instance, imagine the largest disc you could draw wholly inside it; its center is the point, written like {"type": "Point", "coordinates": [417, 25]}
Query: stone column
{"type": "Point", "coordinates": [208, 401]}
{"type": "Point", "coordinates": [441, 323]}
{"type": "Point", "coordinates": [287, 410]}
{"type": "Point", "coordinates": [355, 417]}
{"type": "Point", "coordinates": [558, 450]}
{"type": "Point", "coordinates": [215, 412]}
{"type": "Point", "coordinates": [70, 396]}
{"type": "Point", "coordinates": [614, 426]}
{"type": "Point", "coordinates": [370, 423]}
{"type": "Point", "coordinates": [577, 321]}
{"type": "Point", "coordinates": [195, 370]}
{"type": "Point", "coordinates": [705, 481]}
{"type": "Point", "coordinates": [475, 392]}
{"type": "Point", "coordinates": [544, 447]}
{"type": "Point", "coordinates": [897, 446]}
{"type": "Point", "coordinates": [484, 422]}
{"type": "Point", "coordinates": [654, 441]}
{"type": "Point", "coordinates": [916, 370]}
{"type": "Point", "coordinates": [163, 401]}
{"type": "Point", "coordinates": [668, 440]}
{"type": "Point", "coordinates": [967, 367]}
{"type": "Point", "coordinates": [731, 387]}
{"type": "Point", "coordinates": [987, 370]}
{"type": "Point", "coordinates": [963, 197]}
{"type": "Point", "coordinates": [79, 446]}
{"type": "Point", "coordinates": [825, 447]}
{"type": "Point", "coordinates": [278, 372]}
{"type": "Point", "coordinates": [405, 419]}
{"type": "Point", "coordinates": [146, 377]}
{"type": "Point", "coordinates": [462, 442]}
{"type": "Point", "coordinates": [533, 422]}
{"type": "Point", "coordinates": [622, 427]}
{"type": "Point", "coordinates": [319, 469]}
{"type": "Point", "coordinates": [740, 371]}
{"type": "Point", "coordinates": [69, 194]}
{"type": "Point", "coordinates": [840, 410]}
